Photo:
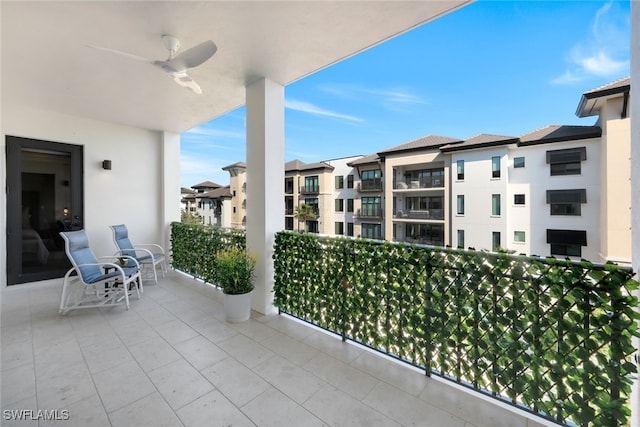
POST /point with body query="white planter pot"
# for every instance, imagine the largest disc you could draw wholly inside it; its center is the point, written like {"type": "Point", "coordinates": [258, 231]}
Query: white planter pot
{"type": "Point", "coordinates": [237, 308]}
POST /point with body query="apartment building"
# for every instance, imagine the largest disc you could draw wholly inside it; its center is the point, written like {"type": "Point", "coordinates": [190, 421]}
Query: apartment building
{"type": "Point", "coordinates": [417, 191]}
{"type": "Point", "coordinates": [210, 201]}
{"type": "Point", "coordinates": [344, 196]}
{"type": "Point", "coordinates": [368, 204]}
{"type": "Point", "coordinates": [479, 188]}
{"type": "Point", "coordinates": [238, 191]}
{"type": "Point", "coordinates": [559, 190]}
{"type": "Point", "coordinates": [310, 184]}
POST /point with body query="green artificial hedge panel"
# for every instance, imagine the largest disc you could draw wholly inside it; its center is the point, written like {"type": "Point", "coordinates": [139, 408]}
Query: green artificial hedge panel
{"type": "Point", "coordinates": [194, 246]}
{"type": "Point", "coordinates": [548, 335]}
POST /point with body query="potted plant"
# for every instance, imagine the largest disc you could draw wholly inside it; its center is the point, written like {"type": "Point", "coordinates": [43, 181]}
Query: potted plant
{"type": "Point", "coordinates": [235, 277]}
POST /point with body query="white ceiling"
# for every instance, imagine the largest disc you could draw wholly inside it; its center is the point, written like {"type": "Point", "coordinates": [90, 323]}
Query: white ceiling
{"type": "Point", "coordinates": [46, 64]}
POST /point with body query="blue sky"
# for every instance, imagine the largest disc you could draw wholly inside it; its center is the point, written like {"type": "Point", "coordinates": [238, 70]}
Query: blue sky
{"type": "Point", "coordinates": [497, 67]}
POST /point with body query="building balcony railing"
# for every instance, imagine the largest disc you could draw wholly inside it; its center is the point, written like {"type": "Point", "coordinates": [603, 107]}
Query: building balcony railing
{"type": "Point", "coordinates": [547, 336]}
{"type": "Point", "coordinates": [310, 189]}
{"type": "Point", "coordinates": [369, 212]}
{"type": "Point", "coordinates": [288, 211]}
{"type": "Point", "coordinates": [426, 182]}
{"type": "Point", "coordinates": [369, 185]}
{"type": "Point", "coordinates": [434, 214]}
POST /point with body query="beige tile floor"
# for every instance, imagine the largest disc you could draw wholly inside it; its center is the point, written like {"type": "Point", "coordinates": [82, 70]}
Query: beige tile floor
{"type": "Point", "coordinates": [171, 360]}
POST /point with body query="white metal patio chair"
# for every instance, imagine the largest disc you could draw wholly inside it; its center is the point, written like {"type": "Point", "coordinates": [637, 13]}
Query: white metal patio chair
{"type": "Point", "coordinates": [101, 284]}
{"type": "Point", "coordinates": [149, 255]}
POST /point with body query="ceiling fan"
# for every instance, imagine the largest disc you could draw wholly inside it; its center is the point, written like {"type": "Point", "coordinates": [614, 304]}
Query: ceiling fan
{"type": "Point", "coordinates": [176, 65]}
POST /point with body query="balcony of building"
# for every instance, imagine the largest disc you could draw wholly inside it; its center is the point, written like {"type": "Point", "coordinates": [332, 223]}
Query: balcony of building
{"type": "Point", "coordinates": [172, 360]}
{"type": "Point", "coordinates": [374, 185]}
{"type": "Point", "coordinates": [419, 214]}
{"type": "Point", "coordinates": [135, 367]}
{"type": "Point", "coordinates": [310, 189]}
{"type": "Point", "coordinates": [419, 183]}
{"type": "Point", "coordinates": [369, 212]}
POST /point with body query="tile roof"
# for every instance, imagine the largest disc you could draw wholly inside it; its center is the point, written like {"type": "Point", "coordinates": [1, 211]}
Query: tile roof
{"type": "Point", "coordinates": [481, 141]}
{"type": "Point", "coordinates": [621, 84]}
{"type": "Point", "coordinates": [216, 194]}
{"type": "Point", "coordinates": [297, 165]}
{"type": "Point", "coordinates": [365, 160]}
{"type": "Point", "coordinates": [235, 165]}
{"type": "Point", "coordinates": [425, 142]}
{"type": "Point", "coordinates": [206, 184]}
{"type": "Point", "coordinates": [557, 133]}
{"type": "Point", "coordinates": [589, 105]}
{"type": "Point", "coordinates": [186, 191]}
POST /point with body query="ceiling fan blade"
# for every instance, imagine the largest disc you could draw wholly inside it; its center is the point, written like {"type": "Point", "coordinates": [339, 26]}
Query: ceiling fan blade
{"type": "Point", "coordinates": [183, 79]}
{"type": "Point", "coordinates": [125, 54]}
{"type": "Point", "coordinates": [195, 56]}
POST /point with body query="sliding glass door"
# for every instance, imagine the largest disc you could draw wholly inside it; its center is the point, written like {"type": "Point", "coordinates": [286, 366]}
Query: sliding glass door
{"type": "Point", "coordinates": [44, 197]}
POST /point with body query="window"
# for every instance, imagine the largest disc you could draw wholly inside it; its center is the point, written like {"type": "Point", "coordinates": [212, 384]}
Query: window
{"type": "Point", "coordinates": [288, 223]}
{"type": "Point", "coordinates": [339, 230]}
{"type": "Point", "coordinates": [460, 169]}
{"type": "Point", "coordinates": [349, 205]}
{"type": "Point", "coordinates": [495, 204]}
{"type": "Point", "coordinates": [339, 182]}
{"type": "Point", "coordinates": [371, 207]}
{"type": "Point", "coordinates": [372, 231]}
{"type": "Point", "coordinates": [519, 236]}
{"type": "Point", "coordinates": [234, 193]}
{"type": "Point", "coordinates": [566, 162]}
{"type": "Point", "coordinates": [461, 239]}
{"type": "Point", "coordinates": [234, 209]}
{"type": "Point", "coordinates": [518, 199]}
{"type": "Point", "coordinates": [349, 229]}
{"type": "Point", "coordinates": [495, 167]}
{"type": "Point", "coordinates": [339, 205]}
{"type": "Point", "coordinates": [424, 178]}
{"type": "Point", "coordinates": [425, 234]}
{"type": "Point", "coordinates": [518, 162]}
{"type": "Point", "coordinates": [371, 174]}
{"type": "Point", "coordinates": [566, 250]}
{"type": "Point", "coordinates": [312, 226]}
{"type": "Point", "coordinates": [566, 202]}
{"type": "Point", "coordinates": [313, 203]}
{"type": "Point", "coordinates": [311, 184]}
{"type": "Point", "coordinates": [349, 181]}
{"type": "Point", "coordinates": [495, 241]}
{"type": "Point", "coordinates": [460, 210]}
{"type": "Point", "coordinates": [566, 242]}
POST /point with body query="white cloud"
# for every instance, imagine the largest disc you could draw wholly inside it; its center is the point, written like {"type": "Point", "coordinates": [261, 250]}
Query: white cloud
{"type": "Point", "coordinates": [209, 131]}
{"type": "Point", "coordinates": [393, 97]}
{"type": "Point", "coordinates": [601, 64]}
{"type": "Point", "coordinates": [604, 53]}
{"type": "Point", "coordinates": [397, 96]}
{"type": "Point", "coordinates": [307, 107]}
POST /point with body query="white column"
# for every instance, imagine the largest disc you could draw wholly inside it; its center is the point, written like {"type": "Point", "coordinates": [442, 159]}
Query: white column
{"type": "Point", "coordinates": [265, 182]}
{"type": "Point", "coordinates": [170, 187]}
{"type": "Point", "coordinates": [635, 181]}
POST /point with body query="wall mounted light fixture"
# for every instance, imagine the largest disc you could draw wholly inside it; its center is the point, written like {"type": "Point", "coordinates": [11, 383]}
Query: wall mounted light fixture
{"type": "Point", "coordinates": [106, 164]}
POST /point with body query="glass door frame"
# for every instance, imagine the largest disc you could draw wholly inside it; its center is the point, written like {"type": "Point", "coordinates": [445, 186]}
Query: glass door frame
{"type": "Point", "coordinates": [15, 146]}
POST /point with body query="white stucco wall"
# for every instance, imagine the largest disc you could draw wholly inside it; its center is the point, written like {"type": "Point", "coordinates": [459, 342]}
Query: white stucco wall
{"type": "Point", "coordinates": [130, 193]}
{"type": "Point", "coordinates": [478, 187]}
{"type": "Point", "coordinates": [635, 182]}
{"type": "Point", "coordinates": [342, 169]}
{"type": "Point", "coordinates": [533, 181]}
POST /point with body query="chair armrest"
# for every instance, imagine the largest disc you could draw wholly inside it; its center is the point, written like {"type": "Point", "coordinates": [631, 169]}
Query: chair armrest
{"type": "Point", "coordinates": [128, 258]}
{"type": "Point", "coordinates": [150, 245]}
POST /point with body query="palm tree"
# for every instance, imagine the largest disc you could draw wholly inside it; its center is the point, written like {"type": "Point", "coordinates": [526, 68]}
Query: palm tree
{"type": "Point", "coordinates": [305, 212]}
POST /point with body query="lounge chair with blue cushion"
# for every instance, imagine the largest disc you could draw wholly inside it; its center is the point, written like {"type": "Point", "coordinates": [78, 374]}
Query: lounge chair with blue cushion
{"type": "Point", "coordinates": [149, 255]}
{"type": "Point", "coordinates": [101, 284]}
